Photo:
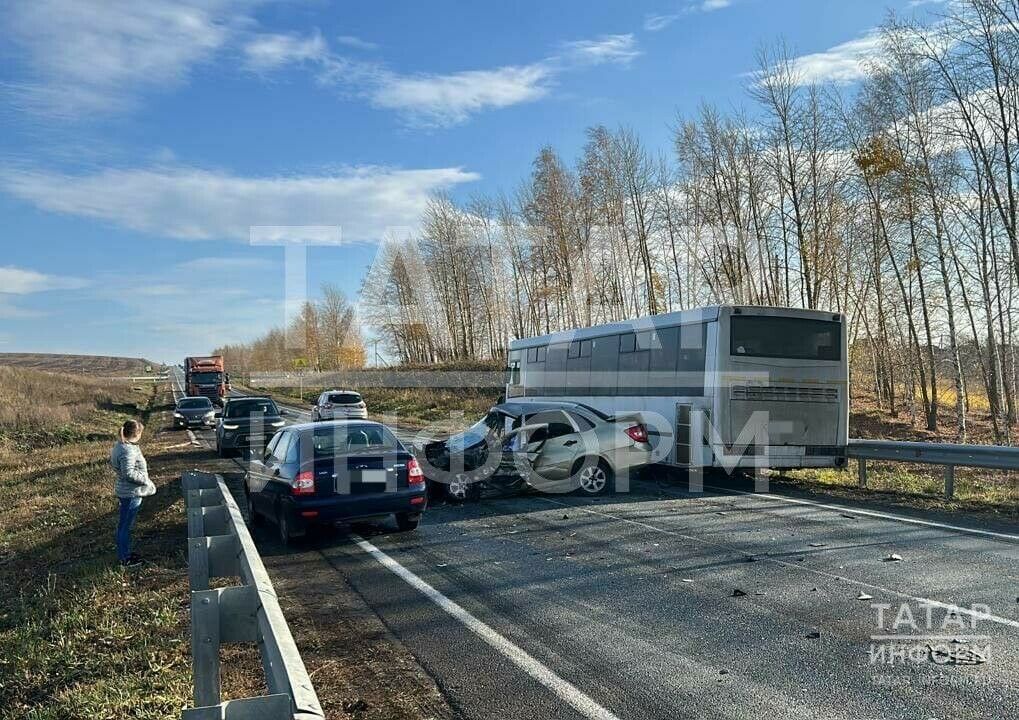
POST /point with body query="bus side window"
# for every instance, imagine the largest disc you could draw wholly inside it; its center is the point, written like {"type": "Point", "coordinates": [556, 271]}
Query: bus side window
{"type": "Point", "coordinates": [604, 374]}
{"type": "Point", "coordinates": [690, 359]}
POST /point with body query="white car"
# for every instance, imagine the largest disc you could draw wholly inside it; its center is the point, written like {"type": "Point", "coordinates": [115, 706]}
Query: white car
{"type": "Point", "coordinates": [339, 405]}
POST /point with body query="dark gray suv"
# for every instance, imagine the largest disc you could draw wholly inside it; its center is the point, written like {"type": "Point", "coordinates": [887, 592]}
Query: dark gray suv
{"type": "Point", "coordinates": [247, 423]}
{"type": "Point", "coordinates": [194, 412]}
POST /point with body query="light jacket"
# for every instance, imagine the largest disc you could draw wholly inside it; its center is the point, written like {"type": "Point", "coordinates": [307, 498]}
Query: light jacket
{"type": "Point", "coordinates": [132, 471]}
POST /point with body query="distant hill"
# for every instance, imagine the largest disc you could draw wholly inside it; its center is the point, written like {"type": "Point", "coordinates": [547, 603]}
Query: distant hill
{"type": "Point", "coordinates": [101, 365]}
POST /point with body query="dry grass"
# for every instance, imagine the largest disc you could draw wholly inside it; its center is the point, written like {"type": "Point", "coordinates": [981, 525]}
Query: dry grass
{"type": "Point", "coordinates": [90, 365]}
{"type": "Point", "coordinates": [79, 635]}
{"type": "Point", "coordinates": [41, 408]}
{"type": "Point", "coordinates": [921, 486]}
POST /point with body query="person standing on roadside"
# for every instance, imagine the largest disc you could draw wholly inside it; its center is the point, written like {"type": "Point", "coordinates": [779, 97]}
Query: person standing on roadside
{"type": "Point", "coordinates": [132, 485]}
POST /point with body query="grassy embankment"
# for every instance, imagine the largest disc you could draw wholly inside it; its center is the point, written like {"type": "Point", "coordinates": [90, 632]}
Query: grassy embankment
{"type": "Point", "coordinates": [79, 635]}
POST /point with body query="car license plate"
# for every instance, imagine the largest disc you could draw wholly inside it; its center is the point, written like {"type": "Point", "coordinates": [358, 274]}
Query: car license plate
{"type": "Point", "coordinates": [373, 477]}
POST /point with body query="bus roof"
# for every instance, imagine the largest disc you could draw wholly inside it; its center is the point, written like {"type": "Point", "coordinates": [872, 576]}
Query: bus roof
{"type": "Point", "coordinates": [652, 322]}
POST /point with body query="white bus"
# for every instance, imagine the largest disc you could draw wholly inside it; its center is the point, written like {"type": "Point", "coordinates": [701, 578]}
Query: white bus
{"type": "Point", "coordinates": [722, 386]}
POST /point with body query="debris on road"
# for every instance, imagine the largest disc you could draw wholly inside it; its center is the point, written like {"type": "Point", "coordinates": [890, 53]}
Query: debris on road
{"type": "Point", "coordinates": [864, 596]}
{"type": "Point", "coordinates": [818, 544]}
{"type": "Point", "coordinates": [354, 706]}
{"type": "Point", "coordinates": [738, 593]}
{"type": "Point", "coordinates": [814, 635]}
{"type": "Point", "coordinates": [687, 580]}
{"type": "Point", "coordinates": [894, 557]}
{"type": "Point", "coordinates": [961, 654]}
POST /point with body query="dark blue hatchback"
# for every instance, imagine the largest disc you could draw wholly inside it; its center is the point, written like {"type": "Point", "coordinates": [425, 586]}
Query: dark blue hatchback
{"type": "Point", "coordinates": [324, 473]}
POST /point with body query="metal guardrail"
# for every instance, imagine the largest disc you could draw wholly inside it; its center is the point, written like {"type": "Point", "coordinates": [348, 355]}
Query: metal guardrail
{"type": "Point", "coordinates": [220, 546]}
{"type": "Point", "coordinates": [993, 457]}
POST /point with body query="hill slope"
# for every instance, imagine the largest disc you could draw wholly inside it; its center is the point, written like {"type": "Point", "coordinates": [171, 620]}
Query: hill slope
{"type": "Point", "coordinates": [102, 365]}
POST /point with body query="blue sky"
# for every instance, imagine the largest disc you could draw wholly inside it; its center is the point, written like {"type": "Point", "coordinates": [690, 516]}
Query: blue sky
{"type": "Point", "coordinates": [139, 142]}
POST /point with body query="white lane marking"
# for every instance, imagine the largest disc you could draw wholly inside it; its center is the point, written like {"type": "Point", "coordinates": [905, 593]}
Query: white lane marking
{"type": "Point", "coordinates": [535, 668]}
{"type": "Point", "coordinates": [870, 513]}
{"type": "Point", "coordinates": [977, 614]}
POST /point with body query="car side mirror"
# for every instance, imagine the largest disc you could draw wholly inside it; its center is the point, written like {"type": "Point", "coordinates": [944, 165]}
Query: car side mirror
{"type": "Point", "coordinates": [284, 413]}
{"type": "Point", "coordinates": [219, 414]}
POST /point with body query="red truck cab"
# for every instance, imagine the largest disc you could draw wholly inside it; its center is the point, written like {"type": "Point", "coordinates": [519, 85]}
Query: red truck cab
{"type": "Point", "coordinates": [207, 377]}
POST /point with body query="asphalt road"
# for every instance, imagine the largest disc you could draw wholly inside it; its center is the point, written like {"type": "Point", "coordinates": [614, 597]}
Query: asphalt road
{"type": "Point", "coordinates": [722, 604]}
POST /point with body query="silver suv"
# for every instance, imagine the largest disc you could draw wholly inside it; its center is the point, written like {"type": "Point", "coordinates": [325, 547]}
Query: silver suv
{"type": "Point", "coordinates": [339, 405]}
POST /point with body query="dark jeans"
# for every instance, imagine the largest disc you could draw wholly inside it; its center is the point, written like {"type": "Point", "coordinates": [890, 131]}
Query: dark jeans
{"type": "Point", "coordinates": [128, 512]}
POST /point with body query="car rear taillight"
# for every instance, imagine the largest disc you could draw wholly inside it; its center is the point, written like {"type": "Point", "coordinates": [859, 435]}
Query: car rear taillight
{"type": "Point", "coordinates": [303, 484]}
{"type": "Point", "coordinates": [415, 475]}
{"type": "Point", "coordinates": [637, 433]}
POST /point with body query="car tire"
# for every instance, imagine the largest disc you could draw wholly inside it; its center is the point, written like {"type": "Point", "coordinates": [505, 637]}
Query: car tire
{"type": "Point", "coordinates": [286, 536]}
{"type": "Point", "coordinates": [460, 490]}
{"type": "Point", "coordinates": [406, 522]}
{"type": "Point", "coordinates": [594, 477]}
{"type": "Point", "coordinates": [254, 519]}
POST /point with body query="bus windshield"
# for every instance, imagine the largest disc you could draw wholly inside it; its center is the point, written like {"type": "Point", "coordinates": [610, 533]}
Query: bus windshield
{"type": "Point", "coordinates": [789, 338]}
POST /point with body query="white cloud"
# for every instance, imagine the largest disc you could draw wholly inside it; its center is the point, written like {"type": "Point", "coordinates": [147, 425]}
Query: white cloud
{"type": "Point", "coordinates": [440, 99]}
{"type": "Point", "coordinates": [94, 56]}
{"type": "Point", "coordinates": [20, 281]}
{"type": "Point", "coordinates": [270, 51]}
{"type": "Point", "coordinates": [844, 63]}
{"type": "Point", "coordinates": [195, 204]}
{"type": "Point", "coordinates": [355, 42]}
{"type": "Point", "coordinates": [219, 265]}
{"type": "Point", "coordinates": [607, 48]}
{"type": "Point", "coordinates": [654, 23]}
{"type": "Point", "coordinates": [451, 99]}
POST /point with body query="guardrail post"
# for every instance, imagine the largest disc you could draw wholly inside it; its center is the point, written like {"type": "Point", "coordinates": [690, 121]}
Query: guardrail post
{"type": "Point", "coordinates": [219, 616]}
{"type": "Point", "coordinates": [949, 481]}
{"type": "Point", "coordinates": [212, 557]}
{"type": "Point", "coordinates": [205, 646]}
{"type": "Point", "coordinates": [861, 473]}
{"type": "Point", "coordinates": [268, 707]}
{"type": "Point", "coordinates": [219, 545]}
